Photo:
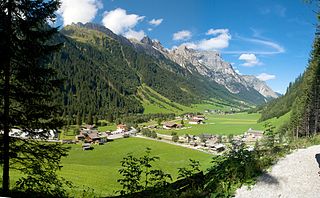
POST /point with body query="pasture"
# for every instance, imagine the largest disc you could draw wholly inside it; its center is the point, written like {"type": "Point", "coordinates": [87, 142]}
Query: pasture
{"type": "Point", "coordinates": [225, 124]}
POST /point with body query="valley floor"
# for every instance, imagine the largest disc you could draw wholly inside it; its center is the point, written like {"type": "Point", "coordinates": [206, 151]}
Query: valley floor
{"type": "Point", "coordinates": [295, 176]}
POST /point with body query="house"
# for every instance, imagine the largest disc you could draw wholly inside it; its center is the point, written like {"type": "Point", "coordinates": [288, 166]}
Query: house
{"type": "Point", "coordinates": [92, 137]}
{"type": "Point", "coordinates": [122, 127]}
{"type": "Point", "coordinates": [253, 135]}
{"type": "Point", "coordinates": [169, 125]}
{"type": "Point", "coordinates": [196, 121]}
{"type": "Point", "coordinates": [80, 137]}
{"type": "Point", "coordinates": [199, 117]}
{"type": "Point", "coordinates": [220, 147]}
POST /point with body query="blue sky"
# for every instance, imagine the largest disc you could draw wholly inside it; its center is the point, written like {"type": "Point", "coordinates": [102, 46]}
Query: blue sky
{"type": "Point", "coordinates": [270, 39]}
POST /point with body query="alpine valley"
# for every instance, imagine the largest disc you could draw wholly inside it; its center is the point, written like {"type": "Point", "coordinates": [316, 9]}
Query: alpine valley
{"type": "Point", "coordinates": [106, 73]}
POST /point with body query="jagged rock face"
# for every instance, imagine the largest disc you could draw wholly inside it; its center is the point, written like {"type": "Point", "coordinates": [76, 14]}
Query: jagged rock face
{"type": "Point", "coordinates": [210, 64]}
{"type": "Point", "coordinates": [260, 86]}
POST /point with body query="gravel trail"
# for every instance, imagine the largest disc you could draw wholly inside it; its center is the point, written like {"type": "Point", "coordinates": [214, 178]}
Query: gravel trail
{"type": "Point", "coordinates": [295, 176]}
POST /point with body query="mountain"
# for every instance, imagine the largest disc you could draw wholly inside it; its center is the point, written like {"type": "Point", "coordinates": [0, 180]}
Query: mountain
{"type": "Point", "coordinates": [284, 103]}
{"type": "Point", "coordinates": [260, 86]}
{"type": "Point", "coordinates": [211, 65]}
{"type": "Point", "coordinates": [107, 73]}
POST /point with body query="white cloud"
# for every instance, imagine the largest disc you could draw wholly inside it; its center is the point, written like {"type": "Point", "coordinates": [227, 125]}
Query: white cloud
{"type": "Point", "coordinates": [149, 29]}
{"type": "Point", "coordinates": [215, 43]}
{"type": "Point", "coordinates": [217, 31]}
{"type": "Point", "coordinates": [182, 35]}
{"type": "Point", "coordinates": [275, 47]}
{"type": "Point", "coordinates": [250, 60]}
{"type": "Point", "coordinates": [131, 34]}
{"type": "Point", "coordinates": [74, 11]}
{"type": "Point", "coordinates": [119, 21]}
{"type": "Point", "coordinates": [155, 22]}
{"type": "Point", "coordinates": [219, 42]}
{"type": "Point", "coordinates": [265, 77]}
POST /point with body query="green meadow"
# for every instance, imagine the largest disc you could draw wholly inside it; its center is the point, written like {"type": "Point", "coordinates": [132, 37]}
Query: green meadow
{"type": "Point", "coordinates": [98, 168]}
{"type": "Point", "coordinates": [226, 124]}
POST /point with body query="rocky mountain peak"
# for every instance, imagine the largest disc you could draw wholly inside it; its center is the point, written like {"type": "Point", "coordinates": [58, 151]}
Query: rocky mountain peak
{"type": "Point", "coordinates": [211, 64]}
{"type": "Point", "coordinates": [260, 86]}
{"type": "Point", "coordinates": [146, 40]}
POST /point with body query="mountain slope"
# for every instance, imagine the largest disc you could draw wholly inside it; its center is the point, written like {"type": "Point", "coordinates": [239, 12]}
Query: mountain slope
{"type": "Point", "coordinates": [283, 104]}
{"type": "Point", "coordinates": [260, 86]}
{"type": "Point", "coordinates": [103, 74]}
{"type": "Point", "coordinates": [211, 65]}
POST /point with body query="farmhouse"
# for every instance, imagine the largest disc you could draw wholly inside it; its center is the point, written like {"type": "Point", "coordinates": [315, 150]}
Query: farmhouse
{"type": "Point", "coordinates": [196, 121]}
{"type": "Point", "coordinates": [253, 135]}
{"type": "Point", "coordinates": [122, 127]}
{"type": "Point", "coordinates": [199, 117]}
{"type": "Point", "coordinates": [90, 136]}
{"type": "Point", "coordinates": [171, 125]}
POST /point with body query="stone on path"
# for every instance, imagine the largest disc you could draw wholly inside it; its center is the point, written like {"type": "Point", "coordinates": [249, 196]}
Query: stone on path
{"type": "Point", "coordinates": [295, 176]}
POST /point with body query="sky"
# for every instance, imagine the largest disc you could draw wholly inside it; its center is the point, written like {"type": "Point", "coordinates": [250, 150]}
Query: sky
{"type": "Point", "coordinates": [270, 39]}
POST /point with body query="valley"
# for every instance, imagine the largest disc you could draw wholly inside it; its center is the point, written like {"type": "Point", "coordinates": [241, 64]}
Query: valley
{"type": "Point", "coordinates": [127, 99]}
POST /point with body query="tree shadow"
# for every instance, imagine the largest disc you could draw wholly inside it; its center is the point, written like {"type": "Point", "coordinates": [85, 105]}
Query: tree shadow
{"type": "Point", "coordinates": [317, 156]}
{"type": "Point", "coordinates": [269, 179]}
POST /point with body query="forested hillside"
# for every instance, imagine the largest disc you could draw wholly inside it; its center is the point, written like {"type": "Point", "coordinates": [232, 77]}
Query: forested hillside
{"type": "Point", "coordinates": [302, 99]}
{"type": "Point", "coordinates": [103, 72]}
{"type": "Point", "coordinates": [282, 105]}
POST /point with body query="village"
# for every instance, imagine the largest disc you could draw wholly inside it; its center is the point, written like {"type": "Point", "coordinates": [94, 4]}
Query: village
{"type": "Point", "coordinates": [89, 135]}
{"type": "Point", "coordinates": [209, 143]}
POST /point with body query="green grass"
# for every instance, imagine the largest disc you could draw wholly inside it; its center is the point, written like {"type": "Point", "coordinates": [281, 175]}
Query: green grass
{"type": "Point", "coordinates": [153, 102]}
{"type": "Point", "coordinates": [98, 168]}
{"type": "Point", "coordinates": [227, 124]}
{"type": "Point", "coordinates": [111, 127]}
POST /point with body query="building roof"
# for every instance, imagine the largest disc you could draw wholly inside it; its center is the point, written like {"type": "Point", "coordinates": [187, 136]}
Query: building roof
{"type": "Point", "coordinates": [121, 126]}
{"type": "Point", "coordinates": [255, 132]}
{"type": "Point", "coordinates": [169, 124]}
{"type": "Point", "coordinates": [196, 120]}
{"type": "Point", "coordinates": [94, 135]}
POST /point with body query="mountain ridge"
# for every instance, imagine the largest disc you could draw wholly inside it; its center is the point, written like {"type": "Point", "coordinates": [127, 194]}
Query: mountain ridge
{"type": "Point", "coordinates": [107, 70]}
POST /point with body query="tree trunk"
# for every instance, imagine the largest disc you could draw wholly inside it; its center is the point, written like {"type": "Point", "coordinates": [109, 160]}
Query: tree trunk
{"type": "Point", "coordinates": [316, 119]}
{"type": "Point", "coordinates": [6, 115]}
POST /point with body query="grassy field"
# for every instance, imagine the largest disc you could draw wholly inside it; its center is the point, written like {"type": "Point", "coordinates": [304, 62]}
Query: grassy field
{"type": "Point", "coordinates": [98, 168]}
{"type": "Point", "coordinates": [153, 102]}
{"type": "Point", "coordinates": [227, 124]}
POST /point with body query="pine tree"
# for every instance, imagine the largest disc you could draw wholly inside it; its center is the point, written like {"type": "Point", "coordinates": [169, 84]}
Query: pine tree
{"type": "Point", "coordinates": [27, 86]}
{"type": "Point", "coordinates": [79, 119]}
{"type": "Point", "coordinates": [305, 111]}
{"type": "Point", "coordinates": [90, 119]}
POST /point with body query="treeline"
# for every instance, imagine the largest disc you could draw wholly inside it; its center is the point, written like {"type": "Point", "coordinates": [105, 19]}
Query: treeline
{"type": "Point", "coordinates": [282, 105]}
{"type": "Point", "coordinates": [302, 99]}
{"type": "Point", "coordinates": [306, 108]}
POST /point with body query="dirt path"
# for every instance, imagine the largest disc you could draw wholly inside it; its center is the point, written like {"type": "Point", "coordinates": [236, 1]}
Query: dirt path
{"type": "Point", "coordinates": [295, 176]}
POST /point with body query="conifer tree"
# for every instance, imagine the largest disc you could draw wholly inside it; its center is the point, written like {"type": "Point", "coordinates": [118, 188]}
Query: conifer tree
{"type": "Point", "coordinates": [27, 85]}
{"type": "Point", "coordinates": [305, 111]}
